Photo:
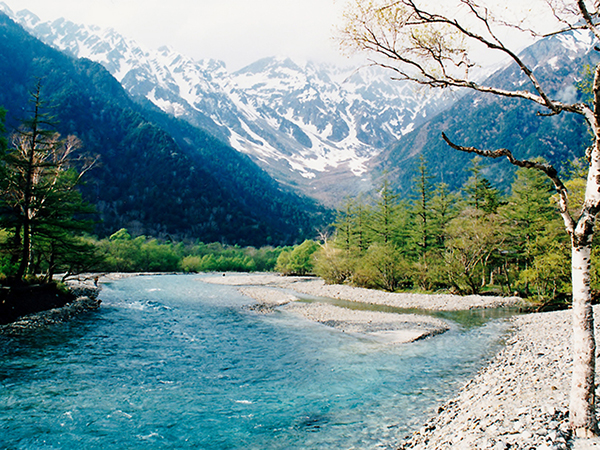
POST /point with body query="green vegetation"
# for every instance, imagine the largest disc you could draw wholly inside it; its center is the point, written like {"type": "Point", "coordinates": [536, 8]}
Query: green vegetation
{"type": "Point", "coordinates": [40, 208]}
{"type": "Point", "coordinates": [45, 227]}
{"type": "Point", "coordinates": [123, 253]}
{"type": "Point", "coordinates": [471, 241]}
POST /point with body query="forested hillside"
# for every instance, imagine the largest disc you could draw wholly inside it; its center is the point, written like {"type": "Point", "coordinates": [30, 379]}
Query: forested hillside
{"type": "Point", "coordinates": [156, 175]}
{"type": "Point", "coordinates": [485, 121]}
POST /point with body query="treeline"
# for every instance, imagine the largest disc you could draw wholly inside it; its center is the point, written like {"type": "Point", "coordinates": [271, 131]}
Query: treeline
{"type": "Point", "coordinates": [471, 241]}
{"type": "Point", "coordinates": [122, 252]}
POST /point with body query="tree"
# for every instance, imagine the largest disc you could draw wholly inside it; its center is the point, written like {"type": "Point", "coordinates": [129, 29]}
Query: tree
{"type": "Point", "coordinates": [421, 207]}
{"type": "Point", "coordinates": [480, 193]}
{"type": "Point", "coordinates": [298, 261]}
{"type": "Point", "coordinates": [473, 237]}
{"type": "Point", "coordinates": [385, 217]}
{"type": "Point", "coordinates": [438, 44]}
{"type": "Point", "coordinates": [38, 196]}
{"type": "Point", "coordinates": [444, 208]}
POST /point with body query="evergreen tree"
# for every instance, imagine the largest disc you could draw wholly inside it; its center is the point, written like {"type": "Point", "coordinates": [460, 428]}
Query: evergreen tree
{"type": "Point", "coordinates": [528, 210]}
{"type": "Point", "coordinates": [421, 207]}
{"type": "Point", "coordinates": [444, 208]}
{"type": "Point", "coordinates": [38, 195]}
{"type": "Point", "coordinates": [385, 218]}
{"type": "Point", "coordinates": [479, 191]}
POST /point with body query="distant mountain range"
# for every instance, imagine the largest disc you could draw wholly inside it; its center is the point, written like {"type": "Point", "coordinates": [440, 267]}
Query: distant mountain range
{"type": "Point", "coordinates": [158, 175]}
{"type": "Point", "coordinates": [329, 132]}
{"type": "Point", "coordinates": [313, 127]}
{"type": "Point", "coordinates": [489, 122]}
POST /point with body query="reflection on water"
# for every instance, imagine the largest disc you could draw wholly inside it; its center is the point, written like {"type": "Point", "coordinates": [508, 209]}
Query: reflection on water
{"type": "Point", "coordinates": [171, 362]}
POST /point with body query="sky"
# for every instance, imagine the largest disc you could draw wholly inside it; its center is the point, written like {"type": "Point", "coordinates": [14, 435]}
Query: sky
{"type": "Point", "coordinates": [237, 32]}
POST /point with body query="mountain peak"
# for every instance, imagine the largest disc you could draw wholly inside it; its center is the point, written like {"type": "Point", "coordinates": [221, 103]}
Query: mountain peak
{"type": "Point", "coordinates": [306, 124]}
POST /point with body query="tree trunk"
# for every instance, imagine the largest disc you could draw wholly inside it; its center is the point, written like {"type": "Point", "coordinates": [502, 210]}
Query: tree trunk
{"type": "Point", "coordinates": [25, 250]}
{"type": "Point", "coordinates": [582, 409]}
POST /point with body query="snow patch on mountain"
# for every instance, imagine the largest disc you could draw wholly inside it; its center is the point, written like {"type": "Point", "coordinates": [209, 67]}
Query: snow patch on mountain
{"type": "Point", "coordinates": [308, 125]}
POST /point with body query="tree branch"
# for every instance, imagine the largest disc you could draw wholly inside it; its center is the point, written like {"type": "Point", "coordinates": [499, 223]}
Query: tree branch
{"type": "Point", "coordinates": [548, 169]}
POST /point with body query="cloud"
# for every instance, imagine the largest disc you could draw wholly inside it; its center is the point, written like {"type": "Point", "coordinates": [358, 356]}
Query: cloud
{"type": "Point", "coordinates": [236, 31]}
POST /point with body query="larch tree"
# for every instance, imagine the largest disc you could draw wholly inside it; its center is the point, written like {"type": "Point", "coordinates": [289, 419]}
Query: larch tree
{"type": "Point", "coordinates": [38, 195]}
{"type": "Point", "coordinates": [438, 44]}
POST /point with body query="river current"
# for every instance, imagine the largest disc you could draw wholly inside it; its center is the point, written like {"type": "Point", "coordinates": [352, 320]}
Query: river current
{"type": "Point", "coordinates": [170, 362]}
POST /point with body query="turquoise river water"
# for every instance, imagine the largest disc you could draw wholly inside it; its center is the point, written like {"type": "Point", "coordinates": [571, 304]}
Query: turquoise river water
{"type": "Point", "coordinates": [170, 362]}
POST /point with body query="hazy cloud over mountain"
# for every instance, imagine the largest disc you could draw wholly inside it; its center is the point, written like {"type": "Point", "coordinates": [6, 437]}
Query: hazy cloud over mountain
{"type": "Point", "coordinates": [235, 31]}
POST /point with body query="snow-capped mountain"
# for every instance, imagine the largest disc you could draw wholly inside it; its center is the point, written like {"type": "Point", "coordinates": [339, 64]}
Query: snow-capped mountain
{"type": "Point", "coordinates": [313, 127]}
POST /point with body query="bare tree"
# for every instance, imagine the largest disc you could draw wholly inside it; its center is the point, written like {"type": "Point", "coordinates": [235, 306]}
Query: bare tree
{"type": "Point", "coordinates": [38, 188]}
{"type": "Point", "coordinates": [437, 44]}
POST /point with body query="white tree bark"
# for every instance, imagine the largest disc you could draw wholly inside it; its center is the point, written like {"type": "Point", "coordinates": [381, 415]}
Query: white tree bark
{"type": "Point", "coordinates": [582, 407]}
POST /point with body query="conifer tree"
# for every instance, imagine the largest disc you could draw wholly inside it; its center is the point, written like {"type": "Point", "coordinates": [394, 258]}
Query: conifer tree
{"type": "Point", "coordinates": [422, 207]}
{"type": "Point", "coordinates": [38, 193]}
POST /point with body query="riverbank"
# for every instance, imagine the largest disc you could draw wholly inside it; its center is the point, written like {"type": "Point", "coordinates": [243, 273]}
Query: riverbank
{"type": "Point", "coordinates": [38, 305]}
{"type": "Point", "coordinates": [518, 401]}
{"type": "Point", "coordinates": [317, 287]}
{"type": "Point", "coordinates": [274, 291]}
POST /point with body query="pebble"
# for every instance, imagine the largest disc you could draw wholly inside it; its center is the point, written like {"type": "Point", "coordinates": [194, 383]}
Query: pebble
{"type": "Point", "coordinates": [523, 392]}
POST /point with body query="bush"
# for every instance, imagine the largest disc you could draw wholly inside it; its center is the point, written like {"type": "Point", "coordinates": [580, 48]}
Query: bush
{"type": "Point", "coordinates": [299, 261]}
{"type": "Point", "coordinates": [333, 264]}
{"type": "Point", "coordinates": [383, 267]}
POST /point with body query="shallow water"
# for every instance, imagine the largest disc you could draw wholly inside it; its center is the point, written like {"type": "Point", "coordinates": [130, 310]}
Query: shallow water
{"type": "Point", "coordinates": [171, 362]}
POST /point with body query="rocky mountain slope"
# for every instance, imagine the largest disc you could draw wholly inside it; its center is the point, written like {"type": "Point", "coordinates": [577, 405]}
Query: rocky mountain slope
{"type": "Point", "coordinates": [489, 122]}
{"type": "Point", "coordinates": [330, 132]}
{"type": "Point", "coordinates": [157, 175]}
{"type": "Point", "coordinates": [313, 127]}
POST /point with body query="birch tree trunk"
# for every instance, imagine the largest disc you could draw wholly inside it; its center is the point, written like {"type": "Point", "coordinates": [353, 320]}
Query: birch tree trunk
{"type": "Point", "coordinates": [582, 408]}
{"type": "Point", "coordinates": [583, 392]}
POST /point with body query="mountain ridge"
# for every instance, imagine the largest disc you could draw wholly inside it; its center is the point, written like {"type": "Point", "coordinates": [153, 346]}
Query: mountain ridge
{"type": "Point", "coordinates": [303, 123]}
{"type": "Point", "coordinates": [158, 175]}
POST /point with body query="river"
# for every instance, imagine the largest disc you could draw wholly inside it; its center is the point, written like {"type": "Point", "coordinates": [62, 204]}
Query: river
{"type": "Point", "coordinates": [170, 362]}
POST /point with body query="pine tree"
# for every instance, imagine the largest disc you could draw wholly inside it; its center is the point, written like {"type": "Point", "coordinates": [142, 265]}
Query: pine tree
{"type": "Point", "coordinates": [479, 191]}
{"type": "Point", "coordinates": [421, 207]}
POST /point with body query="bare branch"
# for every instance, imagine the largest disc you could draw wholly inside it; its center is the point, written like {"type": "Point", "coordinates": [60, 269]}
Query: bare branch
{"type": "Point", "coordinates": [548, 169]}
{"type": "Point", "coordinates": [589, 20]}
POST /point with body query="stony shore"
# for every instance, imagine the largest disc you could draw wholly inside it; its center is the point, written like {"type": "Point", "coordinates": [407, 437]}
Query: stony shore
{"type": "Point", "coordinates": [317, 287]}
{"type": "Point", "coordinates": [273, 291]}
{"type": "Point", "coordinates": [518, 401]}
{"type": "Point", "coordinates": [83, 296]}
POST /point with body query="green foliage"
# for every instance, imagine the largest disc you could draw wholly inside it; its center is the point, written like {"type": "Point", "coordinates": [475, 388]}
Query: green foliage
{"type": "Point", "coordinates": [421, 208]}
{"type": "Point", "coordinates": [298, 261]}
{"type": "Point", "coordinates": [478, 190]}
{"type": "Point", "coordinates": [333, 264]}
{"type": "Point", "coordinates": [482, 243]}
{"type": "Point", "coordinates": [123, 253]}
{"type": "Point", "coordinates": [383, 267]}
{"type": "Point", "coordinates": [39, 201]}
{"type": "Point", "coordinates": [473, 237]}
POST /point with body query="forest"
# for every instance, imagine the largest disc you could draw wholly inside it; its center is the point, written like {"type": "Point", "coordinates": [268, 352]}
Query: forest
{"type": "Point", "coordinates": [475, 240]}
